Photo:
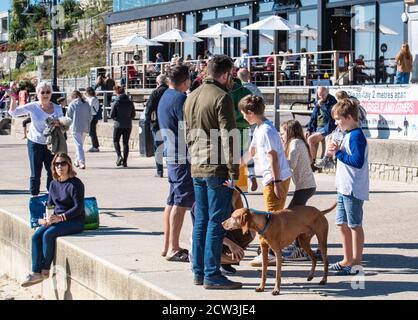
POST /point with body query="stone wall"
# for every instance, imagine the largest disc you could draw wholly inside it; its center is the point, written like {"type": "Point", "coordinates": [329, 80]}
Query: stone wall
{"type": "Point", "coordinates": [392, 160]}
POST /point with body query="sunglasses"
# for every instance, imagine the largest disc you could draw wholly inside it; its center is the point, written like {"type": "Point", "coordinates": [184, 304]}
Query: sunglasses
{"type": "Point", "coordinates": [45, 92]}
{"type": "Point", "coordinates": [60, 164]}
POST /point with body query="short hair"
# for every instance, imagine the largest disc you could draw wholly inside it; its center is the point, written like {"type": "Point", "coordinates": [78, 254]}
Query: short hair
{"type": "Point", "coordinates": [41, 85]}
{"type": "Point", "coordinates": [219, 65]}
{"type": "Point", "coordinates": [162, 78]}
{"type": "Point", "coordinates": [243, 74]}
{"type": "Point", "coordinates": [119, 89]}
{"type": "Point", "coordinates": [345, 108]}
{"type": "Point", "coordinates": [66, 157]}
{"type": "Point", "coordinates": [90, 91]}
{"type": "Point", "coordinates": [252, 103]}
{"type": "Point", "coordinates": [341, 94]}
{"type": "Point", "coordinates": [179, 74]}
{"type": "Point", "coordinates": [77, 95]}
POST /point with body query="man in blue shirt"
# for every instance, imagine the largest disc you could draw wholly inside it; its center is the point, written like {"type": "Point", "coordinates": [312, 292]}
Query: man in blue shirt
{"type": "Point", "coordinates": [181, 194]}
{"type": "Point", "coordinates": [321, 123]}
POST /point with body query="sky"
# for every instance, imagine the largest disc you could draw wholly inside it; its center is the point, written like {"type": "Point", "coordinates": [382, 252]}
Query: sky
{"type": "Point", "coordinates": [5, 5]}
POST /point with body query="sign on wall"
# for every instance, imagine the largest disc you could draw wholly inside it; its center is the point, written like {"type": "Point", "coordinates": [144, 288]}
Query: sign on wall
{"type": "Point", "coordinates": [392, 112]}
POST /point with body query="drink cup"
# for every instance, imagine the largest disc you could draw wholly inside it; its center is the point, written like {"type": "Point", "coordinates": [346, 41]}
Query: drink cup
{"type": "Point", "coordinates": [49, 211]}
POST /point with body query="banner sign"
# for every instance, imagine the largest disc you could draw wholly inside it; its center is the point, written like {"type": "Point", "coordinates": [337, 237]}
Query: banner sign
{"type": "Point", "coordinates": [392, 112]}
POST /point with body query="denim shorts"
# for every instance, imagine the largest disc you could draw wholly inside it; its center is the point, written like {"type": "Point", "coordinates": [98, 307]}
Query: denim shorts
{"type": "Point", "coordinates": [181, 185]}
{"type": "Point", "coordinates": [349, 210]}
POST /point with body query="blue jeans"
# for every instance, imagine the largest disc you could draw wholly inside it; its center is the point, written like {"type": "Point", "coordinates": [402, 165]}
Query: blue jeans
{"type": "Point", "coordinates": [213, 206]}
{"type": "Point", "coordinates": [402, 77]}
{"type": "Point", "coordinates": [349, 211]}
{"type": "Point", "coordinates": [39, 155]}
{"type": "Point", "coordinates": [43, 242]}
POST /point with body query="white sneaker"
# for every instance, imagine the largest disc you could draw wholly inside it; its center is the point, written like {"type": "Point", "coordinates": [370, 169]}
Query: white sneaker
{"type": "Point", "coordinates": [32, 279]}
{"type": "Point", "coordinates": [257, 261]}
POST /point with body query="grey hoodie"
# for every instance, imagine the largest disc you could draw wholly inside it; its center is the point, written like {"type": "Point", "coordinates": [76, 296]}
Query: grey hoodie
{"type": "Point", "coordinates": [80, 113]}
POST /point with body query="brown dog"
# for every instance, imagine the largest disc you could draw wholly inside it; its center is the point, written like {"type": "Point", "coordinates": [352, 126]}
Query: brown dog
{"type": "Point", "coordinates": [278, 230]}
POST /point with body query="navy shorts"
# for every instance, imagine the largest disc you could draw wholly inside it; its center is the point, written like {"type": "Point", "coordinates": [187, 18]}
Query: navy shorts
{"type": "Point", "coordinates": [181, 185]}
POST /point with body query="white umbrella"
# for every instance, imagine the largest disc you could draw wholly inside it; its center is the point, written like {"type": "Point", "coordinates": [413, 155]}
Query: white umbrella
{"type": "Point", "coordinates": [135, 40]}
{"type": "Point", "coordinates": [220, 31]}
{"type": "Point", "coordinates": [176, 35]}
{"type": "Point", "coordinates": [370, 26]}
{"type": "Point", "coordinates": [273, 23]}
{"type": "Point", "coordinates": [307, 33]}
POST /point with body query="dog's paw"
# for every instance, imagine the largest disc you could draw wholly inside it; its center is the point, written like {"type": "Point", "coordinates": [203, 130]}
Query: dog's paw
{"type": "Point", "coordinates": [259, 289]}
{"type": "Point", "coordinates": [323, 282]}
{"type": "Point", "coordinates": [275, 292]}
{"type": "Point", "coordinates": [310, 278]}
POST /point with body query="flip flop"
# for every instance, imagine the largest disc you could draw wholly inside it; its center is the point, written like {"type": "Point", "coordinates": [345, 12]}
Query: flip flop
{"type": "Point", "coordinates": [180, 256]}
{"type": "Point", "coordinates": [346, 271]}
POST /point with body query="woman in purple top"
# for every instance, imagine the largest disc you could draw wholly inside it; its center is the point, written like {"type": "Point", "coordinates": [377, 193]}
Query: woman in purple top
{"type": "Point", "coordinates": [66, 194]}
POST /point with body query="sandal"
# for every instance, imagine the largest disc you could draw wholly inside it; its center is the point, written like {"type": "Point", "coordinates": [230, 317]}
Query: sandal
{"type": "Point", "coordinates": [181, 256]}
{"type": "Point", "coordinates": [346, 271]}
{"type": "Point", "coordinates": [336, 267]}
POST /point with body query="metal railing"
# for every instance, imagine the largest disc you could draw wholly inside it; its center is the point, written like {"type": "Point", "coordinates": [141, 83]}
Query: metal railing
{"type": "Point", "coordinates": [266, 71]}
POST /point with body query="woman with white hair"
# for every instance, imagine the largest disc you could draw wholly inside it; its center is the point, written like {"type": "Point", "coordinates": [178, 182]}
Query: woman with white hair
{"type": "Point", "coordinates": [39, 154]}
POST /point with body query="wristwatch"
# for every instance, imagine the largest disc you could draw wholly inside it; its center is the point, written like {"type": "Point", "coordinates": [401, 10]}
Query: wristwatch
{"type": "Point", "coordinates": [277, 181]}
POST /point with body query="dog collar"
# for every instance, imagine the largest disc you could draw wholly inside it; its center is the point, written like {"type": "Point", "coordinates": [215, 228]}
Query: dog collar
{"type": "Point", "coordinates": [268, 220]}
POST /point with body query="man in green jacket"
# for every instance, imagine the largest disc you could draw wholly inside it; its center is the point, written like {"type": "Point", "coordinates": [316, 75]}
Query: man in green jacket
{"type": "Point", "coordinates": [214, 145]}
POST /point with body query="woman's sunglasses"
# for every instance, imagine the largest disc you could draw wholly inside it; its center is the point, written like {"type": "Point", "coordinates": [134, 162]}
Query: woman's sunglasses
{"type": "Point", "coordinates": [45, 92]}
{"type": "Point", "coordinates": [60, 164]}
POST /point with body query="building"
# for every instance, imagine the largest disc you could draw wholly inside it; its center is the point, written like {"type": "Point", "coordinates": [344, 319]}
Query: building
{"type": "Point", "coordinates": [373, 29]}
{"type": "Point", "coordinates": [4, 27]}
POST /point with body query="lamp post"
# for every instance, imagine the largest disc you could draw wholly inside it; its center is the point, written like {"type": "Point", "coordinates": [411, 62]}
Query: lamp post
{"type": "Point", "coordinates": [56, 16]}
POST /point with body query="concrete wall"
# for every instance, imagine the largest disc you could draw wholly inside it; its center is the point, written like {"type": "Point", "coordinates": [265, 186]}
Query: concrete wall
{"type": "Point", "coordinates": [393, 160]}
{"type": "Point", "coordinates": [75, 274]}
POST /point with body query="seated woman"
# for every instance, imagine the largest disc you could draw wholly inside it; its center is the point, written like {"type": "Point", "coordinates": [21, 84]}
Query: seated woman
{"type": "Point", "coordinates": [66, 193]}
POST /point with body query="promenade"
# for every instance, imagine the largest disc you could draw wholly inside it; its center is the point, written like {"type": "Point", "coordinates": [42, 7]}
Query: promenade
{"type": "Point", "coordinates": [121, 260]}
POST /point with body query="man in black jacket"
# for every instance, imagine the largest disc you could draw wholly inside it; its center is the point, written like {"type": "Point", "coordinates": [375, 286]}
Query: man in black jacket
{"type": "Point", "coordinates": [151, 120]}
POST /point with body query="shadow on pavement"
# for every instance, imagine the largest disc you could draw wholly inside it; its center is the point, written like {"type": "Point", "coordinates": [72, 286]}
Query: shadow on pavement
{"type": "Point", "coordinates": [117, 231]}
{"type": "Point", "coordinates": [8, 192]}
{"type": "Point", "coordinates": [138, 209]}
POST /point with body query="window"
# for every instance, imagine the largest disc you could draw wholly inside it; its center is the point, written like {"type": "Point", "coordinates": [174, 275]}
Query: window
{"type": "Point", "coordinates": [225, 13]}
{"type": "Point", "coordinates": [119, 5]}
{"type": "Point", "coordinates": [208, 15]}
{"type": "Point", "coordinates": [308, 20]}
{"type": "Point", "coordinates": [365, 37]}
{"type": "Point", "coordinates": [190, 29]}
{"type": "Point", "coordinates": [391, 34]}
{"type": "Point", "coordinates": [242, 10]}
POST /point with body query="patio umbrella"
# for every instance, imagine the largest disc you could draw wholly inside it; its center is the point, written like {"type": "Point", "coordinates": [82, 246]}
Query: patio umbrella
{"type": "Point", "coordinates": [135, 40]}
{"type": "Point", "coordinates": [273, 23]}
{"type": "Point", "coordinates": [220, 31]}
{"type": "Point", "coordinates": [308, 33]}
{"type": "Point", "coordinates": [175, 36]}
{"type": "Point", "coordinates": [370, 26]}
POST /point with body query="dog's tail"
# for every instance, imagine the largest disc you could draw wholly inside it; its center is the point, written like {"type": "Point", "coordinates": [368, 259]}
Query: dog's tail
{"type": "Point", "coordinates": [330, 209]}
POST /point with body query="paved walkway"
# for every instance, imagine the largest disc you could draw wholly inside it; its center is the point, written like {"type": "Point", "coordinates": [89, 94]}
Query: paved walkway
{"type": "Point", "coordinates": [131, 202]}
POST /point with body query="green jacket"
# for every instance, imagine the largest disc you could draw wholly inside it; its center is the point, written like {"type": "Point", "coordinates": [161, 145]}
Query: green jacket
{"type": "Point", "coordinates": [238, 92]}
{"type": "Point", "coordinates": [208, 110]}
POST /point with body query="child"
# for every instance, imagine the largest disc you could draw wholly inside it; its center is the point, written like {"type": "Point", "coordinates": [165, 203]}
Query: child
{"type": "Point", "coordinates": [297, 152]}
{"type": "Point", "coordinates": [327, 162]}
{"type": "Point", "coordinates": [268, 146]}
{"type": "Point", "coordinates": [352, 181]}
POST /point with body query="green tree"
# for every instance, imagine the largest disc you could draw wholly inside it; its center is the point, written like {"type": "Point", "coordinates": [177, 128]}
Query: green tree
{"type": "Point", "coordinates": [18, 22]}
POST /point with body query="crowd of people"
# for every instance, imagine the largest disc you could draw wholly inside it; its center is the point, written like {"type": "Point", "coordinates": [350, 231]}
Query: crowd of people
{"type": "Point", "coordinates": [208, 130]}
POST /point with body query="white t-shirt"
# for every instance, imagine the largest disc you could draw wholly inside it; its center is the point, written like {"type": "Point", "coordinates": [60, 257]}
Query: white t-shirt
{"type": "Point", "coordinates": [38, 117]}
{"type": "Point", "coordinates": [265, 139]}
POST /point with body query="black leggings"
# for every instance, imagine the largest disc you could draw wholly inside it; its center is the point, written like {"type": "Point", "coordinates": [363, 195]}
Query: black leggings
{"type": "Point", "coordinates": [125, 133]}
